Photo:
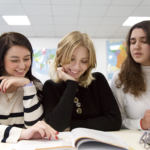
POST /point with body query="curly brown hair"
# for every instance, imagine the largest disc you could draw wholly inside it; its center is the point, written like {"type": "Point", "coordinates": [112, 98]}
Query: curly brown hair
{"type": "Point", "coordinates": [131, 76]}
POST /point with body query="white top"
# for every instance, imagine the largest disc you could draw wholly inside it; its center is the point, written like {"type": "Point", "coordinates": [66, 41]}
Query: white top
{"type": "Point", "coordinates": [132, 109]}
{"type": "Point", "coordinates": [23, 110]}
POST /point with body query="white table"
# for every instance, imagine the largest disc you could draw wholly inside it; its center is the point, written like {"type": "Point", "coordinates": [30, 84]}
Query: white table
{"type": "Point", "coordinates": [3, 145]}
{"type": "Point", "coordinates": [130, 137]}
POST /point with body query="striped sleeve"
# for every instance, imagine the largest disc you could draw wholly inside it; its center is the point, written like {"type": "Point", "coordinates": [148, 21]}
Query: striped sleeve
{"type": "Point", "coordinates": [9, 134]}
{"type": "Point", "coordinates": [33, 109]}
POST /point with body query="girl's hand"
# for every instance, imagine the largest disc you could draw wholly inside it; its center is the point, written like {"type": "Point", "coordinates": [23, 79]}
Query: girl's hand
{"type": "Point", "coordinates": [7, 81]}
{"type": "Point", "coordinates": [63, 75]}
{"type": "Point", "coordinates": [38, 131]}
{"type": "Point", "coordinates": [67, 129]}
{"type": "Point", "coordinates": [146, 120]}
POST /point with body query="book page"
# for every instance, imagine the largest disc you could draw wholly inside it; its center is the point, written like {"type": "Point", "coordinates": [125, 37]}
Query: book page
{"type": "Point", "coordinates": [104, 137]}
{"type": "Point", "coordinates": [64, 142]}
{"type": "Point", "coordinates": [97, 146]}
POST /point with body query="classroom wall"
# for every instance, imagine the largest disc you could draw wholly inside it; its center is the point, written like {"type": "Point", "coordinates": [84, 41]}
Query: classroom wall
{"type": "Point", "coordinates": [100, 47]}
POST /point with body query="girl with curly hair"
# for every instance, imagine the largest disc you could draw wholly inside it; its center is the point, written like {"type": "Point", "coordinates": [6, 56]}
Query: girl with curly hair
{"type": "Point", "coordinates": [131, 85]}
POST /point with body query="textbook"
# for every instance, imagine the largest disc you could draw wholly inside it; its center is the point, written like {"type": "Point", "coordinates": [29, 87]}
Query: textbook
{"type": "Point", "coordinates": [77, 139]}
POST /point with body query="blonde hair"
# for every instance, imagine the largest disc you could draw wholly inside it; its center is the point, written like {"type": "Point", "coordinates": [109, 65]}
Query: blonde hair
{"type": "Point", "coordinates": [64, 52]}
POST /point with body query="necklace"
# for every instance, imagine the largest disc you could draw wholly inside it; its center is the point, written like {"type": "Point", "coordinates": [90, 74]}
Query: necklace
{"type": "Point", "coordinates": [8, 99]}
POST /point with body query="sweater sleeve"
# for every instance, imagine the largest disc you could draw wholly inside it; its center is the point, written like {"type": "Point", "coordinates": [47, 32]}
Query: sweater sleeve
{"type": "Point", "coordinates": [110, 120]}
{"type": "Point", "coordinates": [9, 134]}
{"type": "Point", "coordinates": [33, 112]}
{"type": "Point", "coordinates": [59, 106]}
{"type": "Point", "coordinates": [33, 109]}
{"type": "Point", "coordinates": [119, 96]}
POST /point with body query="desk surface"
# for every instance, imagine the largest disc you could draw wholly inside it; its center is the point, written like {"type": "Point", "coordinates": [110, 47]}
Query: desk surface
{"type": "Point", "coordinates": [130, 137]}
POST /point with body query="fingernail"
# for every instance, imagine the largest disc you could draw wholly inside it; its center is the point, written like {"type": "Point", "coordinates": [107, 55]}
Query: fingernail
{"type": "Point", "coordinates": [0, 89]}
{"type": "Point", "coordinates": [49, 138]}
{"type": "Point", "coordinates": [56, 137]}
{"type": "Point", "coordinates": [3, 91]}
{"type": "Point", "coordinates": [57, 132]}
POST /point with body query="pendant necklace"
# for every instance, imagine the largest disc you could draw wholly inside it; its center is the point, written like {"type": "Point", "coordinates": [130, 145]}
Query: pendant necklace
{"type": "Point", "coordinates": [9, 99]}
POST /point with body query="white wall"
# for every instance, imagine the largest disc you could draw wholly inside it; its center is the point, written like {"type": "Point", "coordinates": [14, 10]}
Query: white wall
{"type": "Point", "coordinates": [101, 52]}
{"type": "Point", "coordinates": [100, 47]}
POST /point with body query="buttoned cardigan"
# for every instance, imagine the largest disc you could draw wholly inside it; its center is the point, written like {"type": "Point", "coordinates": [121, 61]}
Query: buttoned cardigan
{"type": "Point", "coordinates": [99, 108]}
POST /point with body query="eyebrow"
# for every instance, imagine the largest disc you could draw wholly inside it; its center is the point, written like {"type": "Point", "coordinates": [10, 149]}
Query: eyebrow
{"type": "Point", "coordinates": [82, 58]}
{"type": "Point", "coordinates": [140, 37]}
{"type": "Point", "coordinates": [18, 57]}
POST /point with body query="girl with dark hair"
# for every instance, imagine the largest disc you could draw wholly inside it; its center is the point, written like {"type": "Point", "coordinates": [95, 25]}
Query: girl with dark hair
{"type": "Point", "coordinates": [21, 93]}
{"type": "Point", "coordinates": [131, 85]}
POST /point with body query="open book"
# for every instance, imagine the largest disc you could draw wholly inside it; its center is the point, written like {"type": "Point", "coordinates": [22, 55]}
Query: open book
{"type": "Point", "coordinates": [77, 139]}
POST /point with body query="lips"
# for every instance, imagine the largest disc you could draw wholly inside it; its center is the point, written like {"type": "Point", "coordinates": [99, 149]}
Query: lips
{"type": "Point", "coordinates": [71, 72]}
{"type": "Point", "coordinates": [74, 72]}
{"type": "Point", "coordinates": [138, 54]}
{"type": "Point", "coordinates": [20, 72]}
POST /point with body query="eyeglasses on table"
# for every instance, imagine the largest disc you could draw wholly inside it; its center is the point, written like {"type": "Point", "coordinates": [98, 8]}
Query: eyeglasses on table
{"type": "Point", "coordinates": [145, 139]}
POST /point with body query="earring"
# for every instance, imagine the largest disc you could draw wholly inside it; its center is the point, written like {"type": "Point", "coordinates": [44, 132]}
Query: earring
{"type": "Point", "coordinates": [59, 65]}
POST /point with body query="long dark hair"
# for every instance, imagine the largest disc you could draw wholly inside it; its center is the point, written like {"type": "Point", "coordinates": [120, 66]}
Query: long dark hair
{"type": "Point", "coordinates": [7, 40]}
{"type": "Point", "coordinates": [131, 75]}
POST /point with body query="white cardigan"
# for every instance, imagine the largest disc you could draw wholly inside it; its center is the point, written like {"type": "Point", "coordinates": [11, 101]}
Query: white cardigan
{"type": "Point", "coordinates": [132, 109]}
{"type": "Point", "coordinates": [23, 110]}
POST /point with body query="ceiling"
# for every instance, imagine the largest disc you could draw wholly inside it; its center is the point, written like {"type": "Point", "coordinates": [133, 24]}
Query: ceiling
{"type": "Point", "coordinates": [55, 18]}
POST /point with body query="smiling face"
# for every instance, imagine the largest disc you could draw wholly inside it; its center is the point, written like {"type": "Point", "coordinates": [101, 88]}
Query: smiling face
{"type": "Point", "coordinates": [79, 62]}
{"type": "Point", "coordinates": [139, 48]}
{"type": "Point", "coordinates": [17, 61]}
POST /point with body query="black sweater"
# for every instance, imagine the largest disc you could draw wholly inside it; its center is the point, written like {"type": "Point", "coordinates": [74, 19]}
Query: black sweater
{"type": "Point", "coordinates": [99, 108]}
